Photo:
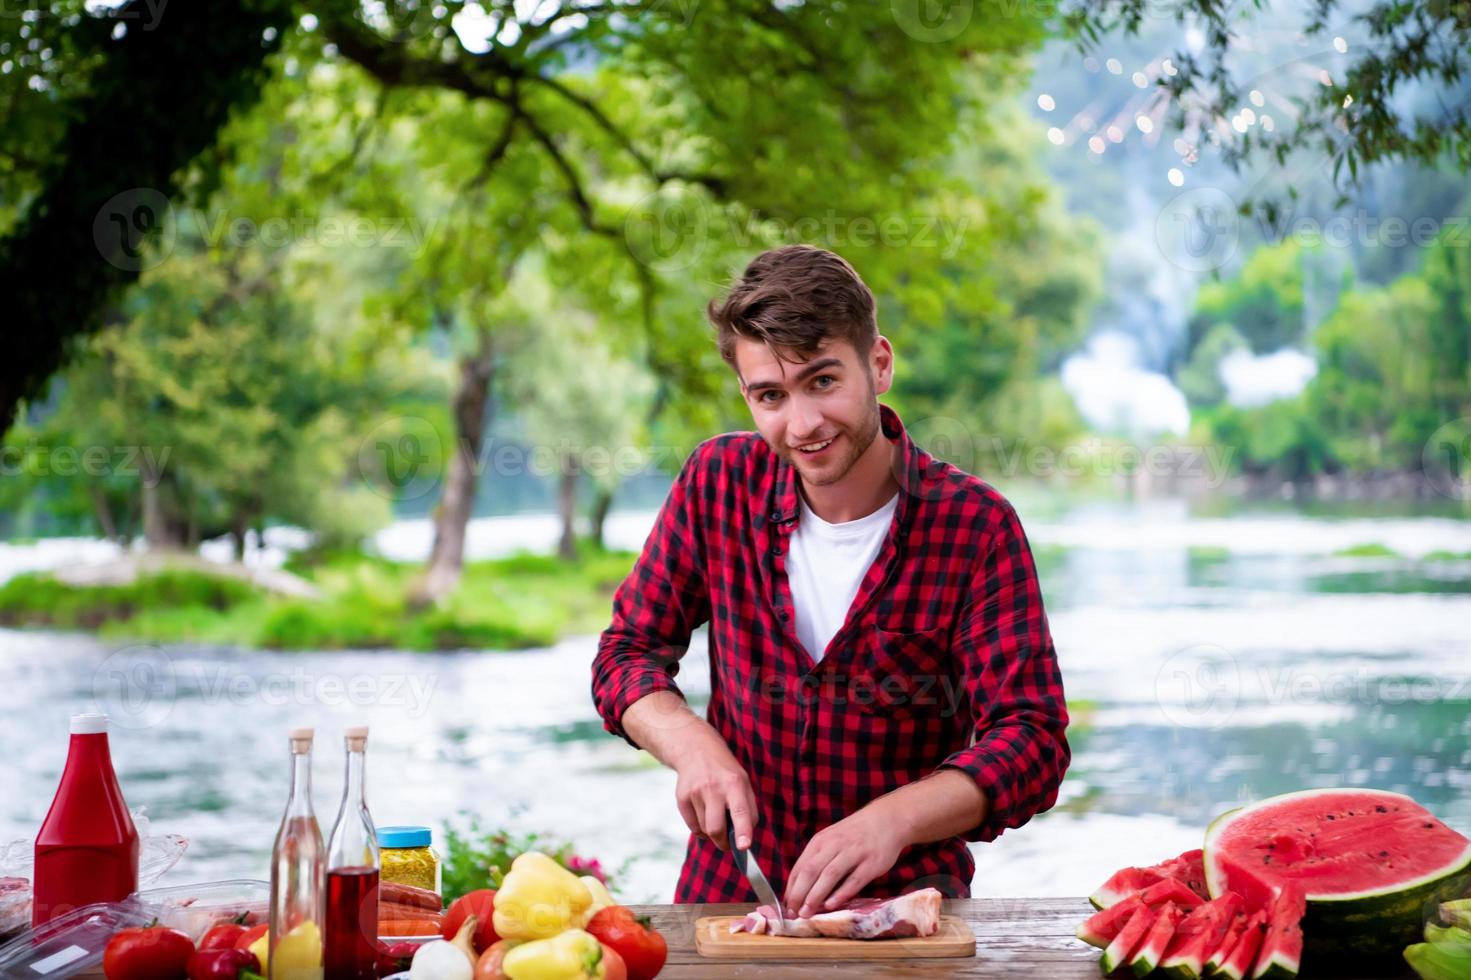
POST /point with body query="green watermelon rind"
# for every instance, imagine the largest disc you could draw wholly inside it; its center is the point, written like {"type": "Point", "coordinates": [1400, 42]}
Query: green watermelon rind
{"type": "Point", "coordinates": [1374, 921]}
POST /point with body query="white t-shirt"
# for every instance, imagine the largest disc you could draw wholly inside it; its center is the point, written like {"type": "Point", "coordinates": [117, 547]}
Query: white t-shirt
{"type": "Point", "coordinates": [825, 566]}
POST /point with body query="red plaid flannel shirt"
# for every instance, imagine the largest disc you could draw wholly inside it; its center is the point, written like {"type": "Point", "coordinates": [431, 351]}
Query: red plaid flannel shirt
{"type": "Point", "coordinates": [945, 659]}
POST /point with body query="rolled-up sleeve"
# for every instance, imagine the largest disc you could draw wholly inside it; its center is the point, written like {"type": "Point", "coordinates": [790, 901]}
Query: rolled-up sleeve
{"type": "Point", "coordinates": [1019, 749]}
{"type": "Point", "coordinates": [656, 608]}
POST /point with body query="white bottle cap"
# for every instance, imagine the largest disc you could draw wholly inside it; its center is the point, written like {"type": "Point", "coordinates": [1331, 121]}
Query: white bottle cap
{"type": "Point", "coordinates": [89, 724]}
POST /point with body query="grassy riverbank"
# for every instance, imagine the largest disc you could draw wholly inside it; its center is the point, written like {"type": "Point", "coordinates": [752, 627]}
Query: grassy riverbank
{"type": "Point", "coordinates": [509, 603]}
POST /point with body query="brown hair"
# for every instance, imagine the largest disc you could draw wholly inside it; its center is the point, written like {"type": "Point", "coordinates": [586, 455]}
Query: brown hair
{"type": "Point", "coordinates": [793, 298]}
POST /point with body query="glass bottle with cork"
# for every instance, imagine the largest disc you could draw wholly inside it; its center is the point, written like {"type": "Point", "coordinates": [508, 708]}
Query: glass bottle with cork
{"type": "Point", "coordinates": [352, 875]}
{"type": "Point", "coordinates": [298, 863]}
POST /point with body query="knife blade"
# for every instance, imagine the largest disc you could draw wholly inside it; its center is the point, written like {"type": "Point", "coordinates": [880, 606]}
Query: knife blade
{"type": "Point", "coordinates": [751, 868]}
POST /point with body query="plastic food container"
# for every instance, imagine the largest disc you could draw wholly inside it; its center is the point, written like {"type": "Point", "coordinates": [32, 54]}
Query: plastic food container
{"type": "Point", "coordinates": [73, 943]}
{"type": "Point", "coordinates": [408, 858]}
{"type": "Point", "coordinates": [193, 909]}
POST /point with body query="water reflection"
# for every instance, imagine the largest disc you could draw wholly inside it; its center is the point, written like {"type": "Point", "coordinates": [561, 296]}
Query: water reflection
{"type": "Point", "coordinates": [1208, 659]}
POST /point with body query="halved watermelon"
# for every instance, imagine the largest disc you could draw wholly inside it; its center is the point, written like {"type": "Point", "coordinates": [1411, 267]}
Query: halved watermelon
{"type": "Point", "coordinates": [1367, 860]}
{"type": "Point", "coordinates": [1147, 956]}
{"type": "Point", "coordinates": [1187, 868]}
{"type": "Point", "coordinates": [1280, 957]}
{"type": "Point", "coordinates": [1237, 964]}
{"type": "Point", "coordinates": [1197, 936]}
{"type": "Point", "coordinates": [1130, 938]}
{"type": "Point", "coordinates": [1102, 926]}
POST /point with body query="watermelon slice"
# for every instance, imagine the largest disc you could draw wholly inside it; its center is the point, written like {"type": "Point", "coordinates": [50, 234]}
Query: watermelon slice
{"type": "Point", "coordinates": [1232, 935]}
{"type": "Point", "coordinates": [1199, 935]}
{"type": "Point", "coordinates": [1147, 956]}
{"type": "Point", "coordinates": [1237, 964]}
{"type": "Point", "coordinates": [1130, 938]}
{"type": "Point", "coordinates": [1281, 954]}
{"type": "Point", "coordinates": [1102, 926]}
{"type": "Point", "coordinates": [1188, 869]}
{"type": "Point", "coordinates": [1170, 890]}
{"type": "Point", "coordinates": [1367, 861]}
{"type": "Point", "coordinates": [1122, 884]}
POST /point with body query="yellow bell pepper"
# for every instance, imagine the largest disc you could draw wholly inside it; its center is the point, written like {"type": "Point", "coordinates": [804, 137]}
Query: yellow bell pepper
{"type": "Point", "coordinates": [538, 899]}
{"type": "Point", "coordinates": [601, 899]}
{"type": "Point", "coordinates": [572, 955]}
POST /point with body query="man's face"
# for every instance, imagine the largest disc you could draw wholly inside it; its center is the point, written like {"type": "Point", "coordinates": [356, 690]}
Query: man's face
{"type": "Point", "coordinates": [820, 414]}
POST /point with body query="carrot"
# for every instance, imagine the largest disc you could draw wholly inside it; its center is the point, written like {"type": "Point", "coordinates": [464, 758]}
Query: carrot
{"type": "Point", "coordinates": [393, 891]}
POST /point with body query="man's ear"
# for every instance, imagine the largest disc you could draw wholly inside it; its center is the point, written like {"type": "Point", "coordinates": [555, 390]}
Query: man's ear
{"type": "Point", "coordinates": [881, 364]}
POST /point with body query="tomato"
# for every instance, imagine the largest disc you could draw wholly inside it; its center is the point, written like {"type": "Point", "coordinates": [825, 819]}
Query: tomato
{"type": "Point", "coordinates": [154, 953]}
{"type": "Point", "coordinates": [223, 936]}
{"type": "Point", "coordinates": [488, 967]}
{"type": "Point", "coordinates": [249, 936]}
{"type": "Point", "coordinates": [638, 943]}
{"type": "Point", "coordinates": [613, 966]}
{"type": "Point", "coordinates": [481, 904]}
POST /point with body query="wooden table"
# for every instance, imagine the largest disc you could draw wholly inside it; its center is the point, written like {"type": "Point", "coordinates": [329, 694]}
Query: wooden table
{"type": "Point", "coordinates": [1015, 937]}
{"type": "Point", "coordinates": [1019, 937]}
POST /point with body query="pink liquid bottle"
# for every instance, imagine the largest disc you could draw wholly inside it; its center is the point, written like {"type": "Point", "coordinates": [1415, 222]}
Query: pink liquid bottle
{"type": "Point", "coordinates": [352, 876]}
{"type": "Point", "coordinates": [87, 848]}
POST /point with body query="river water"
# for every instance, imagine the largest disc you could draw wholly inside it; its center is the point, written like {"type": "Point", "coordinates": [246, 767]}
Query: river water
{"type": "Point", "coordinates": [1210, 657]}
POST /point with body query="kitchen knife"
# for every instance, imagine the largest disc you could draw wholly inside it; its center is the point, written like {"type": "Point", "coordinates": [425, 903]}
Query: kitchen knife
{"type": "Point", "coordinates": [751, 868]}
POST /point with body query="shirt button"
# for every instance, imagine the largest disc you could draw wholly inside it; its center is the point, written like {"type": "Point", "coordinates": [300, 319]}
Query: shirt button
{"type": "Point", "coordinates": [785, 616]}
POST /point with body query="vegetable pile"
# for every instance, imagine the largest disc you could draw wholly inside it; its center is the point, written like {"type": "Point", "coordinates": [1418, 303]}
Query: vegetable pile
{"type": "Point", "coordinates": [543, 923]}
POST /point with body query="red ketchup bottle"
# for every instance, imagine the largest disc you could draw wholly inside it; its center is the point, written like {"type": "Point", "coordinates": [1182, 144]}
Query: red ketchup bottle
{"type": "Point", "coordinates": [87, 848]}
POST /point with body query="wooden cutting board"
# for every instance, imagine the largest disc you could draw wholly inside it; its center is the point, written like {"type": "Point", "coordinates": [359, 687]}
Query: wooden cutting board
{"type": "Point", "coordinates": [714, 939]}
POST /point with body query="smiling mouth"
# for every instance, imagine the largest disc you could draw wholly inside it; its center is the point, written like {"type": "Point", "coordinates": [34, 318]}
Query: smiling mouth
{"type": "Point", "coordinates": [813, 448]}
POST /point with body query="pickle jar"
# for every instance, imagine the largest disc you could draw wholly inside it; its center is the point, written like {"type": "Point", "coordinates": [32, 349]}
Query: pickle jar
{"type": "Point", "coordinates": [408, 858]}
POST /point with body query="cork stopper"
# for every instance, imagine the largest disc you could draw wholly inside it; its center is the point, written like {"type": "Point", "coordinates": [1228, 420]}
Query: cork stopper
{"type": "Point", "coordinates": [301, 740]}
{"type": "Point", "coordinates": [357, 737]}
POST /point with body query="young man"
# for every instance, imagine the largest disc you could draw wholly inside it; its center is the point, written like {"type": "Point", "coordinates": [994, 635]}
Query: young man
{"type": "Point", "coordinates": [883, 683]}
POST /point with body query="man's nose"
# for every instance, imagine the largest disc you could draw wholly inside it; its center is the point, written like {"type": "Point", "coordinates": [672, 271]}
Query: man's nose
{"type": "Point", "coordinates": [806, 419]}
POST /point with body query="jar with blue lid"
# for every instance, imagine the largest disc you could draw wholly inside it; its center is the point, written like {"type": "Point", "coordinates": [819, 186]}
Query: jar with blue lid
{"type": "Point", "coordinates": [408, 857]}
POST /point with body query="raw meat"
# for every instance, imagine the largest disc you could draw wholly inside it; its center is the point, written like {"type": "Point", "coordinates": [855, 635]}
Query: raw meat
{"type": "Point", "coordinates": [912, 915]}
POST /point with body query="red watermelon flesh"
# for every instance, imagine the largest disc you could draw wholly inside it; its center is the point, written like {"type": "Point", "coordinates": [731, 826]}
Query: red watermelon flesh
{"type": "Point", "coordinates": [1197, 936]}
{"type": "Point", "coordinates": [1229, 939]}
{"type": "Point", "coordinates": [1281, 954]}
{"type": "Point", "coordinates": [1102, 926]}
{"type": "Point", "coordinates": [1237, 964]}
{"type": "Point", "coordinates": [1169, 890]}
{"type": "Point", "coordinates": [1147, 956]}
{"type": "Point", "coordinates": [1129, 939]}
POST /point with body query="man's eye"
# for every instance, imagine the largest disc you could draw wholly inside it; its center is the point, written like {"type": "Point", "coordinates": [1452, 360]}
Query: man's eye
{"type": "Point", "coordinates": [826, 381]}
{"type": "Point", "coordinates": [768, 395]}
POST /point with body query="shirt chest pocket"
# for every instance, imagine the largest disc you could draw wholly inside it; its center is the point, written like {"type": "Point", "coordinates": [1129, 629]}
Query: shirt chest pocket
{"type": "Point", "coordinates": [902, 674]}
